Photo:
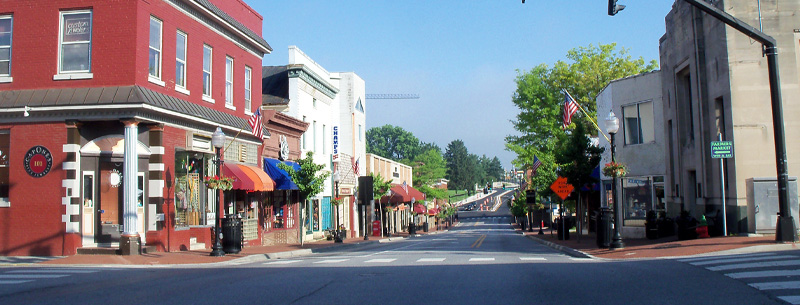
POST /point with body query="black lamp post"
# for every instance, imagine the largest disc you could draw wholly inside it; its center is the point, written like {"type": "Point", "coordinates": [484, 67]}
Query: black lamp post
{"type": "Point", "coordinates": [336, 237]}
{"type": "Point", "coordinates": [218, 140]}
{"type": "Point", "coordinates": [612, 126]}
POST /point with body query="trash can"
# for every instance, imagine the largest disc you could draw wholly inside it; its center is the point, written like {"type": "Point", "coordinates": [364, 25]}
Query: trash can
{"type": "Point", "coordinates": [231, 234]}
{"type": "Point", "coordinates": [412, 229]}
{"type": "Point", "coordinates": [425, 227]}
{"type": "Point", "coordinates": [604, 230]}
{"type": "Point", "coordinates": [651, 226]}
{"type": "Point", "coordinates": [563, 230]}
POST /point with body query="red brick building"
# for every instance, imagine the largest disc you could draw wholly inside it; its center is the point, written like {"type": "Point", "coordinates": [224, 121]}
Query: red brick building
{"type": "Point", "coordinates": [109, 106]}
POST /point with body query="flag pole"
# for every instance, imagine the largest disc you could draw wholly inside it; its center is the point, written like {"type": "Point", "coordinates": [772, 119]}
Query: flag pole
{"type": "Point", "coordinates": [588, 116]}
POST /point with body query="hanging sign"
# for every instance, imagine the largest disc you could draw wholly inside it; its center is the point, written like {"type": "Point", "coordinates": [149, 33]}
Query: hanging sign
{"type": "Point", "coordinates": [38, 161]}
{"type": "Point", "coordinates": [721, 149]}
{"type": "Point", "coordinates": [335, 143]}
{"type": "Point", "coordinates": [562, 188]}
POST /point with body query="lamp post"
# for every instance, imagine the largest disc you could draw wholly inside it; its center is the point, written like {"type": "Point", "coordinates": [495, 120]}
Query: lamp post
{"type": "Point", "coordinates": [218, 140]}
{"type": "Point", "coordinates": [612, 126]}
{"type": "Point", "coordinates": [336, 237]}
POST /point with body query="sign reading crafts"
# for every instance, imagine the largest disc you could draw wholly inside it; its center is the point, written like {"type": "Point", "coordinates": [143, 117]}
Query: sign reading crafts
{"type": "Point", "coordinates": [38, 161]}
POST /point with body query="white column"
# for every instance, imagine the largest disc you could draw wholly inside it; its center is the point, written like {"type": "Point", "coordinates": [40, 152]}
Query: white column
{"type": "Point", "coordinates": [129, 179]}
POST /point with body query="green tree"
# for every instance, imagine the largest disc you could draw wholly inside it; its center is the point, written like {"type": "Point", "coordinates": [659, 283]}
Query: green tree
{"type": "Point", "coordinates": [428, 166]}
{"type": "Point", "coordinates": [392, 142]}
{"type": "Point", "coordinates": [492, 168]}
{"type": "Point", "coordinates": [460, 165]}
{"type": "Point", "coordinates": [308, 179]}
{"type": "Point", "coordinates": [540, 101]}
{"type": "Point", "coordinates": [380, 186]}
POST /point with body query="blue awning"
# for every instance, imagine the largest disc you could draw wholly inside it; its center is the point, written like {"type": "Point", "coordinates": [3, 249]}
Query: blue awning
{"type": "Point", "coordinates": [282, 179]}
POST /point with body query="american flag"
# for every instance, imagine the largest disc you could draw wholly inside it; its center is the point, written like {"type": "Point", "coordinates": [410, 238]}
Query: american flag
{"type": "Point", "coordinates": [570, 107]}
{"type": "Point", "coordinates": [405, 187]}
{"type": "Point", "coordinates": [536, 164]}
{"type": "Point", "coordinates": [355, 165]}
{"type": "Point", "coordinates": [255, 123]}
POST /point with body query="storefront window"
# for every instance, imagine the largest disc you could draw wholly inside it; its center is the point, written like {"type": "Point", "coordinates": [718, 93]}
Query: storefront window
{"type": "Point", "coordinates": [191, 196]}
{"type": "Point", "coordinates": [278, 209]}
{"type": "Point", "coordinates": [315, 214]}
{"type": "Point", "coordinates": [637, 197]}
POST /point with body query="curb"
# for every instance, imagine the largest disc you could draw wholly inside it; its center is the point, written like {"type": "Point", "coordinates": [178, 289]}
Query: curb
{"type": "Point", "coordinates": [566, 250]}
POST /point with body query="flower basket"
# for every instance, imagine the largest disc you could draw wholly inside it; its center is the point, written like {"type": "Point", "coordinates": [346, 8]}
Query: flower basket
{"type": "Point", "coordinates": [615, 169]}
{"type": "Point", "coordinates": [219, 183]}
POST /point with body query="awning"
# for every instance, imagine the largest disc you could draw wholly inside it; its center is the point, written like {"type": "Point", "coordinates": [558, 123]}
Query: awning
{"type": "Point", "coordinates": [419, 209]}
{"type": "Point", "coordinates": [247, 177]}
{"type": "Point", "coordinates": [433, 211]}
{"type": "Point", "coordinates": [281, 178]}
{"type": "Point", "coordinates": [399, 195]}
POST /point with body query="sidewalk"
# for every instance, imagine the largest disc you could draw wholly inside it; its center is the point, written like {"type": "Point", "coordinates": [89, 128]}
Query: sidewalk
{"type": "Point", "coordinates": [662, 247]}
{"type": "Point", "coordinates": [248, 254]}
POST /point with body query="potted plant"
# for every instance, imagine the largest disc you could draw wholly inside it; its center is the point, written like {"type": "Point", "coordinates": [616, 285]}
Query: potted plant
{"type": "Point", "coordinates": [219, 182]}
{"type": "Point", "coordinates": [615, 169]}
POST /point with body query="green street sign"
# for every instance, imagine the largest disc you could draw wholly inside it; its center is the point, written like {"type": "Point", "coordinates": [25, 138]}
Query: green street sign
{"type": "Point", "coordinates": [721, 149]}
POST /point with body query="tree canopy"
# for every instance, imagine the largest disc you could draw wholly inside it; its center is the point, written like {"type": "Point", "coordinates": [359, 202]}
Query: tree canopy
{"type": "Point", "coordinates": [392, 142]}
{"type": "Point", "coordinates": [308, 179]}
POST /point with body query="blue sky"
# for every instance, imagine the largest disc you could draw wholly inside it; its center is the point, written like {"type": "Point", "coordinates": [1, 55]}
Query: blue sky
{"type": "Point", "coordinates": [460, 57]}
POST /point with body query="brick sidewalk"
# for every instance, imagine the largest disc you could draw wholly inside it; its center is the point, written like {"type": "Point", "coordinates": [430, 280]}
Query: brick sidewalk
{"type": "Point", "coordinates": [662, 247]}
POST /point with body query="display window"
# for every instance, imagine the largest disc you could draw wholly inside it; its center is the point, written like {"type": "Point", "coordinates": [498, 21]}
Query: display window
{"type": "Point", "coordinates": [194, 202]}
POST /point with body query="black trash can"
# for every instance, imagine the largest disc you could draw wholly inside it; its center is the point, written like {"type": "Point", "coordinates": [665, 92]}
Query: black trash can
{"type": "Point", "coordinates": [425, 227]}
{"type": "Point", "coordinates": [231, 234]}
{"type": "Point", "coordinates": [412, 229]}
{"type": "Point", "coordinates": [604, 231]}
{"type": "Point", "coordinates": [562, 227]}
{"type": "Point", "coordinates": [651, 226]}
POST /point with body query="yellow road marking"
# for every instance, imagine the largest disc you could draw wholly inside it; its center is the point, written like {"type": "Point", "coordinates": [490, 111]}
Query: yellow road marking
{"type": "Point", "coordinates": [479, 242]}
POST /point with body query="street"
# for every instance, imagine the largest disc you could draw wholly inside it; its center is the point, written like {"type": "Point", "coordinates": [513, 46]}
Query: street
{"type": "Point", "coordinates": [480, 261]}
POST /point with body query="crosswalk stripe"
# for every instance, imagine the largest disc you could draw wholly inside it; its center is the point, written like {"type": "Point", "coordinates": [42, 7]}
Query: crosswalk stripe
{"type": "Point", "coordinates": [31, 276]}
{"type": "Point", "coordinates": [694, 259]}
{"type": "Point", "coordinates": [281, 262]}
{"type": "Point", "coordinates": [331, 261]}
{"type": "Point", "coordinates": [532, 258]}
{"type": "Point", "coordinates": [51, 271]}
{"type": "Point", "coordinates": [433, 259]}
{"type": "Point", "coordinates": [756, 265]}
{"type": "Point", "coordinates": [769, 273]}
{"type": "Point", "coordinates": [5, 282]}
{"type": "Point", "coordinates": [481, 259]}
{"type": "Point", "coordinates": [794, 299]}
{"type": "Point", "coordinates": [741, 259]}
{"type": "Point", "coordinates": [776, 285]}
{"type": "Point", "coordinates": [381, 260]}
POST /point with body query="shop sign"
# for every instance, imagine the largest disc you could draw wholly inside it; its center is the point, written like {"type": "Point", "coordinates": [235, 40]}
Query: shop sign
{"type": "Point", "coordinates": [38, 161]}
{"type": "Point", "coordinates": [335, 142]}
{"type": "Point", "coordinates": [346, 191]}
{"type": "Point", "coordinates": [721, 149]}
{"type": "Point", "coordinates": [562, 188]}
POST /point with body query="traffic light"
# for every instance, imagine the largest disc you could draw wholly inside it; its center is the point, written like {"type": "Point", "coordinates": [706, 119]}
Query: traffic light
{"type": "Point", "coordinates": [614, 8]}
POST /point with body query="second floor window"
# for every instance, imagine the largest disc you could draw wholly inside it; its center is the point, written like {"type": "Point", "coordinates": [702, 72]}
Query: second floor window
{"type": "Point", "coordinates": [75, 42]}
{"type": "Point", "coordinates": [180, 60]}
{"type": "Point", "coordinates": [155, 48]}
{"type": "Point", "coordinates": [247, 88]}
{"type": "Point", "coordinates": [5, 45]}
{"type": "Point", "coordinates": [228, 82]}
{"type": "Point", "coordinates": [638, 123]}
{"type": "Point", "coordinates": [207, 70]}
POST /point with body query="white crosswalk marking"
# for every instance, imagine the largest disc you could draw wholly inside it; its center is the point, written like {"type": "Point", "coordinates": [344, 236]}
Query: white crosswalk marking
{"type": "Point", "coordinates": [794, 262]}
{"type": "Point", "coordinates": [794, 299]}
{"type": "Point", "coordinates": [481, 259]}
{"type": "Point", "coordinates": [757, 274]}
{"type": "Point", "coordinates": [331, 261]}
{"type": "Point", "coordinates": [381, 260]}
{"type": "Point", "coordinates": [703, 258]}
{"type": "Point", "coordinates": [282, 262]}
{"type": "Point", "coordinates": [8, 282]}
{"type": "Point", "coordinates": [776, 285]}
{"type": "Point", "coordinates": [51, 271]}
{"type": "Point", "coordinates": [740, 260]}
{"type": "Point", "coordinates": [32, 276]}
{"type": "Point", "coordinates": [532, 258]}
{"type": "Point", "coordinates": [432, 259]}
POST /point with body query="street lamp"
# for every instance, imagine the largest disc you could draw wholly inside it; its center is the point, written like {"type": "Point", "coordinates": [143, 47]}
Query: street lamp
{"type": "Point", "coordinates": [218, 140]}
{"type": "Point", "coordinates": [612, 126]}
{"type": "Point", "coordinates": [336, 237]}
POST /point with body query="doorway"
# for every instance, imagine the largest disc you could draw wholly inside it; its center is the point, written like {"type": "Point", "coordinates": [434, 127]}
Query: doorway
{"type": "Point", "coordinates": [108, 216]}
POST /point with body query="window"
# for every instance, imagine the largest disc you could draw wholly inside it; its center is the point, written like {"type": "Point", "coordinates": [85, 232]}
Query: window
{"type": "Point", "coordinates": [247, 88]}
{"type": "Point", "coordinates": [154, 57]}
{"type": "Point", "coordinates": [5, 145]}
{"type": "Point", "coordinates": [5, 46]}
{"type": "Point", "coordinates": [75, 42]}
{"type": "Point", "coordinates": [314, 135]}
{"type": "Point", "coordinates": [304, 134]}
{"type": "Point", "coordinates": [638, 121]}
{"type": "Point", "coordinates": [180, 61]}
{"type": "Point", "coordinates": [314, 103]}
{"type": "Point", "coordinates": [207, 52]}
{"type": "Point", "coordinates": [324, 139]}
{"type": "Point", "coordinates": [229, 82]}
{"type": "Point", "coordinates": [360, 138]}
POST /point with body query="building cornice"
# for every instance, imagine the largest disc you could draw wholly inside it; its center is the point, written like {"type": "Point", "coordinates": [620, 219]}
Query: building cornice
{"type": "Point", "coordinates": [304, 73]}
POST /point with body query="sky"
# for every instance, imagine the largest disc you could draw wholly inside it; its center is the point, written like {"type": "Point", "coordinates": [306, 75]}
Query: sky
{"type": "Point", "coordinates": [460, 57]}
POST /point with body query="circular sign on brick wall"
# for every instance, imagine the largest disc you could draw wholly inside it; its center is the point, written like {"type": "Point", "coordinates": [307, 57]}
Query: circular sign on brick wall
{"type": "Point", "coordinates": [38, 161]}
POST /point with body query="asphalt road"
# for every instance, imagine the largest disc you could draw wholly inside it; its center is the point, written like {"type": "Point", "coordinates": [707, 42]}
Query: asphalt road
{"type": "Point", "coordinates": [480, 261]}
